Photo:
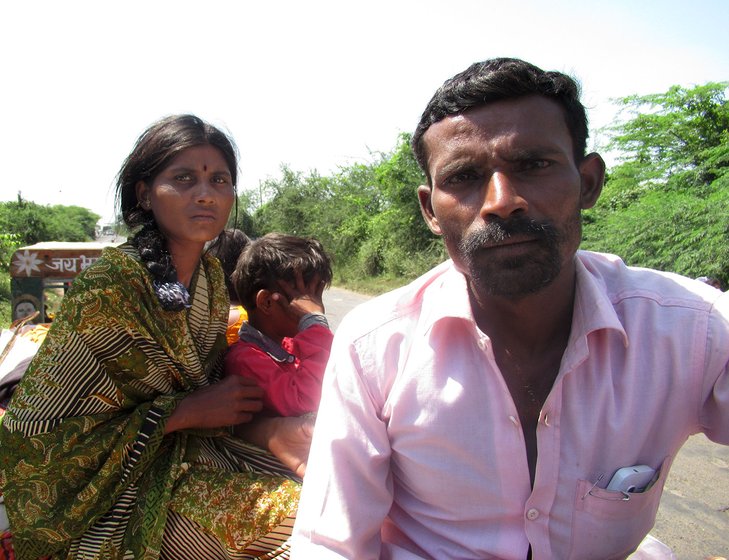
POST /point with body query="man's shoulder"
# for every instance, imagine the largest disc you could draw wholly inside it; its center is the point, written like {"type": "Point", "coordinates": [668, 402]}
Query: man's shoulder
{"type": "Point", "coordinates": [618, 281]}
{"type": "Point", "coordinates": [405, 304]}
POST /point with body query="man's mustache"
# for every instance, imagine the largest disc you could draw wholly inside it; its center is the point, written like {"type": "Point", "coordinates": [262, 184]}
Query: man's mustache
{"type": "Point", "coordinates": [498, 230]}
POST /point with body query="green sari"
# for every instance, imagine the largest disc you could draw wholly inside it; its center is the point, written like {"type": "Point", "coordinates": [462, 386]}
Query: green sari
{"type": "Point", "coordinates": [85, 467]}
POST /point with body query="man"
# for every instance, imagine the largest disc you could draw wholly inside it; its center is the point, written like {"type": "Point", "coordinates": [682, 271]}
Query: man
{"type": "Point", "coordinates": [483, 410]}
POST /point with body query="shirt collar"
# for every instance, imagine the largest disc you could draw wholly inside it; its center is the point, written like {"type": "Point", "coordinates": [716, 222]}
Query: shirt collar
{"type": "Point", "coordinates": [593, 309]}
{"type": "Point", "coordinates": [446, 295]}
{"type": "Point", "coordinates": [248, 333]}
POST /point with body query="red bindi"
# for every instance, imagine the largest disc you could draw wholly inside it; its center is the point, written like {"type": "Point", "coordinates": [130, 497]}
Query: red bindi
{"type": "Point", "coordinates": [205, 167]}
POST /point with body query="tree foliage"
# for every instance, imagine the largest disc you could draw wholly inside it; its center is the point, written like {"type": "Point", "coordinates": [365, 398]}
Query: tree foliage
{"type": "Point", "coordinates": [666, 204]}
{"type": "Point", "coordinates": [672, 231]}
{"type": "Point", "coordinates": [32, 223]}
{"type": "Point", "coordinates": [366, 214]}
{"type": "Point", "coordinates": [671, 141]}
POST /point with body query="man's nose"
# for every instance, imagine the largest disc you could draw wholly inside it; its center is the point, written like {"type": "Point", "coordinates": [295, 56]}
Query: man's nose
{"type": "Point", "coordinates": [502, 197]}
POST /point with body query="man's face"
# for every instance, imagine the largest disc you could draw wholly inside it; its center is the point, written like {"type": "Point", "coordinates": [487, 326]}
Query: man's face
{"type": "Point", "coordinates": [506, 194]}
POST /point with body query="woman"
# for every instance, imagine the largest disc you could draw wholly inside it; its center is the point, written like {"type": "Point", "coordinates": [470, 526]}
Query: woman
{"type": "Point", "coordinates": [118, 443]}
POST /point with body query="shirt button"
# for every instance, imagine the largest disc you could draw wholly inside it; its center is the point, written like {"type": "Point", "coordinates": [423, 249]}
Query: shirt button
{"type": "Point", "coordinates": [532, 514]}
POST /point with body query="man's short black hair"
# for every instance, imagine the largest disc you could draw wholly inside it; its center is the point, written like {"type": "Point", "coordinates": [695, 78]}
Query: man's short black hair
{"type": "Point", "coordinates": [500, 79]}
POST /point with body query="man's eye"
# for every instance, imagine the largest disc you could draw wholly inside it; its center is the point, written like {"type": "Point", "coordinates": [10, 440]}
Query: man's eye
{"type": "Point", "coordinates": [534, 164]}
{"type": "Point", "coordinates": [462, 177]}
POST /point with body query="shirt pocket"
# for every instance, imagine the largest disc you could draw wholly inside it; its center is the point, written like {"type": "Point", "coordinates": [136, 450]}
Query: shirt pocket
{"type": "Point", "coordinates": [611, 525]}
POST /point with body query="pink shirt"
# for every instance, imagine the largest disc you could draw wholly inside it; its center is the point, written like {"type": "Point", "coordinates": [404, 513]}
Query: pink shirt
{"type": "Point", "coordinates": [418, 451]}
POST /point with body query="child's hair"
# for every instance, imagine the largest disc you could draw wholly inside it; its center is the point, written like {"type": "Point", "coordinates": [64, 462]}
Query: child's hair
{"type": "Point", "coordinates": [277, 256]}
{"type": "Point", "coordinates": [227, 248]}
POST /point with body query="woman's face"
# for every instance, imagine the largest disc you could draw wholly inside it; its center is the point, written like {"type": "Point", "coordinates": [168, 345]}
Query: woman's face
{"type": "Point", "coordinates": [191, 198]}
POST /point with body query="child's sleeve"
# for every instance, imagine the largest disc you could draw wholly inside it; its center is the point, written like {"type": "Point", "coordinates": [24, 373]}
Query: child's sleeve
{"type": "Point", "coordinates": [290, 388]}
{"type": "Point", "coordinates": [298, 389]}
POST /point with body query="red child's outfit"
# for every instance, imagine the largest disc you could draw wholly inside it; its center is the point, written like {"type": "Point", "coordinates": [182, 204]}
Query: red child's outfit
{"type": "Point", "coordinates": [291, 373]}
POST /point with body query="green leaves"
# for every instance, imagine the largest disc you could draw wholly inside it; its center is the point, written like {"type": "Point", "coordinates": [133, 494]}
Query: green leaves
{"type": "Point", "coordinates": [32, 223]}
{"type": "Point", "coordinates": [669, 134]}
{"type": "Point", "coordinates": [666, 205]}
{"type": "Point", "coordinates": [366, 215]}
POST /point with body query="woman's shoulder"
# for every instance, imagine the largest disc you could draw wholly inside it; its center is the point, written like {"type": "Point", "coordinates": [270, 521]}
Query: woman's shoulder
{"type": "Point", "coordinates": [114, 261]}
{"type": "Point", "coordinates": [117, 272]}
{"type": "Point", "coordinates": [212, 265]}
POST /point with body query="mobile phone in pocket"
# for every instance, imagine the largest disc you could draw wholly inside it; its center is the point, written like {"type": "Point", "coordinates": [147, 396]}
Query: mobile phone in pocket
{"type": "Point", "coordinates": [633, 479]}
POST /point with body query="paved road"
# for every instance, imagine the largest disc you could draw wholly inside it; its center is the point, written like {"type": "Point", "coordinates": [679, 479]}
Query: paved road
{"type": "Point", "coordinates": [694, 515]}
{"type": "Point", "coordinates": [338, 302]}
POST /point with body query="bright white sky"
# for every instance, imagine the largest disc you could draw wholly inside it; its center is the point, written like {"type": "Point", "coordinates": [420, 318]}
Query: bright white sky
{"type": "Point", "coordinates": [315, 84]}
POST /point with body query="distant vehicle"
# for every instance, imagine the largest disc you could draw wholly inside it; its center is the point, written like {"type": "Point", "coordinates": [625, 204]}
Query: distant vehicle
{"type": "Point", "coordinates": [37, 268]}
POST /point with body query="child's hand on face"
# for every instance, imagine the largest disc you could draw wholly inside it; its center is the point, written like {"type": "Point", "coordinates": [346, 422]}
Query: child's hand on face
{"type": "Point", "coordinates": [299, 297]}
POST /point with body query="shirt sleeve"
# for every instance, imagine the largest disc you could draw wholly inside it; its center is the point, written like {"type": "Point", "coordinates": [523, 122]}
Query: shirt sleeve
{"type": "Point", "coordinates": [347, 490]}
{"type": "Point", "coordinates": [291, 389]}
{"type": "Point", "coordinates": [715, 409]}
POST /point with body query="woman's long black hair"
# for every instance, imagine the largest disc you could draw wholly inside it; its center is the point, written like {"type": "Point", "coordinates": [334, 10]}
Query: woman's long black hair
{"type": "Point", "coordinates": [154, 150]}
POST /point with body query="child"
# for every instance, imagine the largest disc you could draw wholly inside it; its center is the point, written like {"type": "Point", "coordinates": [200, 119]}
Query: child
{"type": "Point", "coordinates": [284, 346]}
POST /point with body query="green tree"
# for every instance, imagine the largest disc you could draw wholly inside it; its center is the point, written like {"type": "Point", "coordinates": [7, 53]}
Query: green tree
{"type": "Point", "coordinates": [294, 203]}
{"type": "Point", "coordinates": [355, 203]}
{"type": "Point", "coordinates": [673, 140]}
{"type": "Point", "coordinates": [32, 223]}
{"type": "Point", "coordinates": [8, 244]}
{"type": "Point", "coordinates": [241, 217]}
{"type": "Point", "coordinates": [665, 205]}
{"type": "Point", "coordinates": [399, 231]}
{"type": "Point", "coordinates": [672, 231]}
{"type": "Point", "coordinates": [25, 220]}
{"type": "Point", "coordinates": [365, 214]}
{"type": "Point", "coordinates": [70, 223]}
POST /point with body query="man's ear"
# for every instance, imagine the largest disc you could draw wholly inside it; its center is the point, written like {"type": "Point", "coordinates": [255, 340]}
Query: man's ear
{"type": "Point", "coordinates": [425, 193]}
{"type": "Point", "coordinates": [592, 176]}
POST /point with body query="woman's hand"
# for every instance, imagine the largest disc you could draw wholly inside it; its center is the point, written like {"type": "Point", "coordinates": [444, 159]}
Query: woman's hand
{"type": "Point", "coordinates": [288, 438]}
{"type": "Point", "coordinates": [231, 401]}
